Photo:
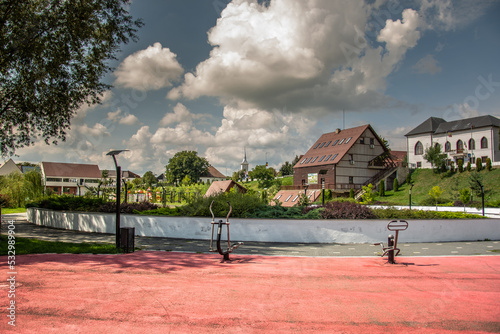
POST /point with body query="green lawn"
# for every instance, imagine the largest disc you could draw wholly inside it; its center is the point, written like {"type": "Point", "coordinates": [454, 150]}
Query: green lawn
{"type": "Point", "coordinates": [34, 246]}
{"type": "Point", "coordinates": [425, 179]}
{"type": "Point", "coordinates": [6, 211]}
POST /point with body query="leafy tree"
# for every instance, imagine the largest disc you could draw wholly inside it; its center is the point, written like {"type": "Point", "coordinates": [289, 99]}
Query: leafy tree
{"type": "Point", "coordinates": [436, 158]}
{"type": "Point", "coordinates": [149, 179]}
{"type": "Point", "coordinates": [263, 174]}
{"type": "Point", "coordinates": [303, 200]}
{"type": "Point", "coordinates": [239, 175]}
{"type": "Point", "coordinates": [469, 166]}
{"type": "Point", "coordinates": [186, 163]}
{"type": "Point", "coordinates": [465, 196]}
{"type": "Point", "coordinates": [351, 193]}
{"type": "Point", "coordinates": [368, 195]}
{"type": "Point", "coordinates": [286, 169]}
{"type": "Point", "coordinates": [474, 181]}
{"type": "Point", "coordinates": [436, 193]}
{"type": "Point", "coordinates": [33, 185]}
{"type": "Point", "coordinates": [53, 55]}
{"type": "Point", "coordinates": [13, 187]}
{"type": "Point", "coordinates": [460, 164]}
{"type": "Point", "coordinates": [186, 181]}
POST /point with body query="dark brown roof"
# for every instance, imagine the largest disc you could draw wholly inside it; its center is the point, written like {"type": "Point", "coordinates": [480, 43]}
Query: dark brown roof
{"type": "Point", "coordinates": [223, 186]}
{"type": "Point", "coordinates": [331, 147]}
{"type": "Point", "coordinates": [213, 172]}
{"type": "Point", "coordinates": [125, 174]}
{"type": "Point", "coordinates": [58, 169]}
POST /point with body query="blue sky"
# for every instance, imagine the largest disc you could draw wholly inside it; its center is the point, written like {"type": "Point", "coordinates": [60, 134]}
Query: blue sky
{"type": "Point", "coordinates": [219, 76]}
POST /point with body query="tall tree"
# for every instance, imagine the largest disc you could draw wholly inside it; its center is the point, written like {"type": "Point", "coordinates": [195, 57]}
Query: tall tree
{"type": "Point", "coordinates": [437, 159]}
{"type": "Point", "coordinates": [149, 179]}
{"type": "Point", "coordinates": [53, 55]}
{"type": "Point", "coordinates": [186, 163]}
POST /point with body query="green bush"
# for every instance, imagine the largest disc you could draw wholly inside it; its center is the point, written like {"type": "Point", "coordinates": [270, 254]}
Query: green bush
{"type": "Point", "coordinates": [243, 205]}
{"type": "Point", "coordinates": [68, 203]}
{"type": "Point", "coordinates": [479, 164]}
{"type": "Point", "coordinates": [393, 213]}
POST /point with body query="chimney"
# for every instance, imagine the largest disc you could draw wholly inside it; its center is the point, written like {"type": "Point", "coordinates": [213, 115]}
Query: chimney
{"type": "Point", "coordinates": [337, 131]}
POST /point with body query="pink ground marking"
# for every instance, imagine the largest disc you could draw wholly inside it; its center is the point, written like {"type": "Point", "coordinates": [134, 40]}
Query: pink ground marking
{"type": "Point", "coordinates": [164, 292]}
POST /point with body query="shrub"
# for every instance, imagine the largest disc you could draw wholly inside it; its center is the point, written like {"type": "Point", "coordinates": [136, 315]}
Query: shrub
{"type": "Point", "coordinates": [469, 166]}
{"type": "Point", "coordinates": [381, 188]}
{"type": "Point", "coordinates": [488, 164]}
{"type": "Point", "coordinates": [393, 213]}
{"type": "Point", "coordinates": [243, 205]}
{"type": "Point", "coordinates": [460, 164]}
{"type": "Point", "coordinates": [351, 193]}
{"type": "Point", "coordinates": [395, 185]}
{"type": "Point", "coordinates": [479, 164]}
{"type": "Point", "coordinates": [346, 210]}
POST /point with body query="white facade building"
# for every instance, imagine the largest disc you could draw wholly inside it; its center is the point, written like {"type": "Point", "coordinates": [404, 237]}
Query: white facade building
{"type": "Point", "coordinates": [465, 140]}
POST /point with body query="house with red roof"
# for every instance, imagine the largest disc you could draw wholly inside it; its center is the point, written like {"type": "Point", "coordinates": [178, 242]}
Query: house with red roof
{"type": "Point", "coordinates": [223, 187]}
{"type": "Point", "coordinates": [212, 175]}
{"type": "Point", "coordinates": [340, 161]}
{"type": "Point", "coordinates": [68, 178]}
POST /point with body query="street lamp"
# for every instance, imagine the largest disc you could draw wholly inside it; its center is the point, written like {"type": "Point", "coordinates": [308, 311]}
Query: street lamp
{"type": "Point", "coordinates": [411, 187]}
{"type": "Point", "coordinates": [482, 194]}
{"type": "Point", "coordinates": [114, 153]}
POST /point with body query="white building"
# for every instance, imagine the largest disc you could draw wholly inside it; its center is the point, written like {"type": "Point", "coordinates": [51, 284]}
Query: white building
{"type": "Point", "coordinates": [69, 179]}
{"type": "Point", "coordinates": [466, 140]}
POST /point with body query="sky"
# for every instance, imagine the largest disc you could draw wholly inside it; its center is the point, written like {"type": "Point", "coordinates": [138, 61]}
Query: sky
{"type": "Point", "coordinates": [222, 77]}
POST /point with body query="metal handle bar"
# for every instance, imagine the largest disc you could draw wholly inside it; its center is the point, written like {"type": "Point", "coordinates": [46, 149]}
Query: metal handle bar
{"type": "Point", "coordinates": [229, 213]}
{"type": "Point", "coordinates": [213, 217]}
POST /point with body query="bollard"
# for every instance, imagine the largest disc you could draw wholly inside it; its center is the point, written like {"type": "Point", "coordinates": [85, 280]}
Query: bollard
{"type": "Point", "coordinates": [390, 253]}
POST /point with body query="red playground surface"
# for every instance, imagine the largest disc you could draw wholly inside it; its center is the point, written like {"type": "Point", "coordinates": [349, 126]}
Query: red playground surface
{"type": "Point", "coordinates": [165, 292]}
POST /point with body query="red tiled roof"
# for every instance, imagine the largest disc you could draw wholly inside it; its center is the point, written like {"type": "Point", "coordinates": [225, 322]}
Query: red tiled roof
{"type": "Point", "coordinates": [223, 186]}
{"type": "Point", "coordinates": [289, 198]}
{"type": "Point", "coordinates": [58, 169]}
{"type": "Point", "coordinates": [332, 146]}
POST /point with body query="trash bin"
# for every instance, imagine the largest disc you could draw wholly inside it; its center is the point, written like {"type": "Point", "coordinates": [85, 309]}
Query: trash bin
{"type": "Point", "coordinates": [127, 239]}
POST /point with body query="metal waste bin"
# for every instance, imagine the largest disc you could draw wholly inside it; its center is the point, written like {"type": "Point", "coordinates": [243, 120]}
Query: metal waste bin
{"type": "Point", "coordinates": [127, 239]}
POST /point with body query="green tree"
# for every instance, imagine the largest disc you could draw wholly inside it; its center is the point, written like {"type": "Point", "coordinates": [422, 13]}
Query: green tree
{"type": "Point", "coordinates": [436, 193]}
{"type": "Point", "coordinates": [186, 163]}
{"type": "Point", "coordinates": [488, 164]}
{"type": "Point", "coordinates": [53, 55]}
{"type": "Point", "coordinates": [479, 164]}
{"type": "Point", "coordinates": [381, 188]}
{"type": "Point", "coordinates": [465, 196]}
{"type": "Point", "coordinates": [368, 195]}
{"type": "Point", "coordinates": [469, 166]}
{"type": "Point", "coordinates": [13, 186]}
{"type": "Point", "coordinates": [263, 174]}
{"type": "Point", "coordinates": [149, 179]}
{"type": "Point", "coordinates": [436, 158]}
{"type": "Point", "coordinates": [33, 185]}
{"type": "Point", "coordinates": [460, 165]}
{"type": "Point", "coordinates": [395, 185]}
{"type": "Point", "coordinates": [286, 169]}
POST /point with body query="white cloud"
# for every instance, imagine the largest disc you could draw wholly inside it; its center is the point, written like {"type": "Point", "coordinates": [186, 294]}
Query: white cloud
{"type": "Point", "coordinates": [114, 115]}
{"type": "Point", "coordinates": [180, 114]}
{"type": "Point", "coordinates": [129, 120]}
{"type": "Point", "coordinates": [428, 64]}
{"type": "Point", "coordinates": [150, 69]}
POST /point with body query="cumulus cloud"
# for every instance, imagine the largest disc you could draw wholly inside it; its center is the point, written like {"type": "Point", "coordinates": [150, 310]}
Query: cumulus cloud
{"type": "Point", "coordinates": [180, 114]}
{"type": "Point", "coordinates": [300, 55]}
{"type": "Point", "coordinates": [129, 120]}
{"type": "Point", "coordinates": [428, 64]}
{"type": "Point", "coordinates": [150, 69]}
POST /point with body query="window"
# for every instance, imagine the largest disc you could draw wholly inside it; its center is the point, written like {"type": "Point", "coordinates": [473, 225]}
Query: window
{"type": "Point", "coordinates": [361, 140]}
{"type": "Point", "coordinates": [447, 147]}
{"type": "Point", "coordinates": [484, 142]}
{"type": "Point", "coordinates": [348, 140]}
{"type": "Point", "coordinates": [295, 198]}
{"type": "Point", "coordinates": [309, 160]}
{"type": "Point", "coordinates": [351, 179]}
{"type": "Point", "coordinates": [472, 144]}
{"type": "Point", "coordinates": [277, 198]}
{"type": "Point", "coordinates": [328, 143]}
{"type": "Point", "coordinates": [341, 141]}
{"type": "Point", "coordinates": [54, 179]}
{"type": "Point", "coordinates": [335, 143]}
{"type": "Point", "coordinates": [419, 164]}
{"type": "Point", "coordinates": [328, 157]}
{"type": "Point", "coordinates": [333, 158]}
{"type": "Point", "coordinates": [285, 200]}
{"type": "Point", "coordinates": [314, 159]}
{"type": "Point", "coordinates": [460, 146]}
{"type": "Point", "coordinates": [322, 158]}
{"type": "Point", "coordinates": [322, 145]}
{"type": "Point", "coordinates": [419, 148]}
{"type": "Point", "coordinates": [317, 145]}
{"type": "Point", "coordinates": [372, 141]}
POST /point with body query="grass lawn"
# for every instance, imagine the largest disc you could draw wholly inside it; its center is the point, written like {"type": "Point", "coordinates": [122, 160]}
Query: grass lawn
{"type": "Point", "coordinates": [34, 246]}
{"type": "Point", "coordinates": [6, 211]}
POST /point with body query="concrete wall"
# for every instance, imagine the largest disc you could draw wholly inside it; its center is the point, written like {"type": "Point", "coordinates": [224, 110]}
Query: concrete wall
{"type": "Point", "coordinates": [274, 230]}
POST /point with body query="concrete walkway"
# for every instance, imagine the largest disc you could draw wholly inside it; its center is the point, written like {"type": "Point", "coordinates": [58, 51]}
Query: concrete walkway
{"type": "Point", "coordinates": [28, 230]}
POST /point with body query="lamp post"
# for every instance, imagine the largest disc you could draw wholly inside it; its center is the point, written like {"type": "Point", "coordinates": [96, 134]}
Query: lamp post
{"type": "Point", "coordinates": [482, 194]}
{"type": "Point", "coordinates": [114, 153]}
{"type": "Point", "coordinates": [411, 187]}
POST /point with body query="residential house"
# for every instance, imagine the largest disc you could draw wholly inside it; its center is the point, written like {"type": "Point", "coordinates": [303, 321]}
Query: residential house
{"type": "Point", "coordinates": [69, 178]}
{"type": "Point", "coordinates": [223, 187]}
{"type": "Point", "coordinates": [340, 161]}
{"type": "Point", "coordinates": [212, 175]}
{"type": "Point", "coordinates": [466, 140]}
{"type": "Point", "coordinates": [9, 167]}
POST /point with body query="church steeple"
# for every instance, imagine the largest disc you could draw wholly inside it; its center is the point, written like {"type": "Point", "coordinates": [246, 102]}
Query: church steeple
{"type": "Point", "coordinates": [244, 163]}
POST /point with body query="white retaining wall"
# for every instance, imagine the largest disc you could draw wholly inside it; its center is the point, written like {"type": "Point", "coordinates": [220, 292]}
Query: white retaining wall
{"type": "Point", "coordinates": [273, 230]}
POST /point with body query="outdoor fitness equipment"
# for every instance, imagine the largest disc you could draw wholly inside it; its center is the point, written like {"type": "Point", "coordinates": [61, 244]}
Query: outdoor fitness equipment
{"type": "Point", "coordinates": [392, 249]}
{"type": "Point", "coordinates": [230, 248]}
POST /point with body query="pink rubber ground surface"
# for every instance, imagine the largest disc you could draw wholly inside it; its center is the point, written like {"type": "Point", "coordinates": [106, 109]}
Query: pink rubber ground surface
{"type": "Point", "coordinates": [162, 292]}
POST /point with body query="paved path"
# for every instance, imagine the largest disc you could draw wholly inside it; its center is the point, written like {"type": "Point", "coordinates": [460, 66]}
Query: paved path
{"type": "Point", "coordinates": [28, 230]}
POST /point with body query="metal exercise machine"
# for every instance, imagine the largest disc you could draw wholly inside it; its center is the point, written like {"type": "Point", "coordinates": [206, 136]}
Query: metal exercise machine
{"type": "Point", "coordinates": [392, 249]}
{"type": "Point", "coordinates": [230, 248]}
